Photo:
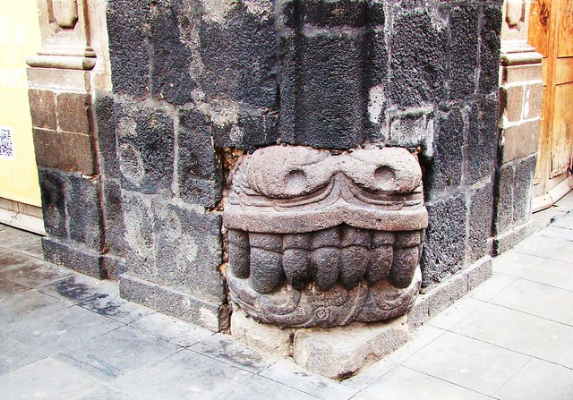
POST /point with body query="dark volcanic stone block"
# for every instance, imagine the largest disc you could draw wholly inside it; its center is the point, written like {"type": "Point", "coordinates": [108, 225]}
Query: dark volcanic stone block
{"type": "Point", "coordinates": [189, 251]}
{"type": "Point", "coordinates": [107, 140]}
{"type": "Point", "coordinates": [489, 48]}
{"type": "Point", "coordinates": [84, 212]}
{"type": "Point", "coordinates": [464, 44]}
{"type": "Point", "coordinates": [199, 168]}
{"type": "Point", "coordinates": [113, 217]}
{"type": "Point", "coordinates": [335, 13]}
{"type": "Point", "coordinates": [418, 58]}
{"type": "Point", "coordinates": [73, 256]}
{"type": "Point", "coordinates": [522, 189]}
{"type": "Point", "coordinates": [146, 148]}
{"type": "Point", "coordinates": [113, 266]}
{"type": "Point", "coordinates": [445, 168]}
{"type": "Point", "coordinates": [482, 139]}
{"type": "Point", "coordinates": [481, 210]}
{"type": "Point", "coordinates": [170, 78]}
{"type": "Point", "coordinates": [127, 26]}
{"type": "Point", "coordinates": [331, 107]}
{"type": "Point", "coordinates": [54, 186]}
{"type": "Point", "coordinates": [504, 198]}
{"type": "Point", "coordinates": [139, 235]}
{"type": "Point", "coordinates": [444, 250]}
{"type": "Point", "coordinates": [239, 56]}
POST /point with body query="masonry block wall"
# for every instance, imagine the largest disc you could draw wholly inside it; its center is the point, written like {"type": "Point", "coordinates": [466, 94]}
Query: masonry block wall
{"type": "Point", "coordinates": [197, 83]}
{"type": "Point", "coordinates": [521, 81]}
{"type": "Point", "coordinates": [63, 76]}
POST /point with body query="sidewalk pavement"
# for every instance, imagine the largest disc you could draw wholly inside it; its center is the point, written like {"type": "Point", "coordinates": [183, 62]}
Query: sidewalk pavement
{"type": "Point", "coordinates": [66, 336]}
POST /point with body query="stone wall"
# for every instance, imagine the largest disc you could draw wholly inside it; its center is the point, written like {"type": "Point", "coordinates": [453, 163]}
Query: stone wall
{"type": "Point", "coordinates": [197, 83]}
{"type": "Point", "coordinates": [63, 76]}
{"type": "Point", "coordinates": [521, 92]}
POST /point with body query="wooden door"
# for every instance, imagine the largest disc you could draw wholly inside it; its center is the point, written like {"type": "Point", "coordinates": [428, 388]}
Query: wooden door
{"type": "Point", "coordinates": [551, 33]}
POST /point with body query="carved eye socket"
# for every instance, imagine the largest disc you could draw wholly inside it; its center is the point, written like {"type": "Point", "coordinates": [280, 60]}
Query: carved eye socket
{"type": "Point", "coordinates": [284, 173]}
{"type": "Point", "coordinates": [295, 181]}
{"type": "Point", "coordinates": [385, 178]}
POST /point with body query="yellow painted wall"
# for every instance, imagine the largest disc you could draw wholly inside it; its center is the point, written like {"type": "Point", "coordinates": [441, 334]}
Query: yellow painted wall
{"type": "Point", "coordinates": [19, 38]}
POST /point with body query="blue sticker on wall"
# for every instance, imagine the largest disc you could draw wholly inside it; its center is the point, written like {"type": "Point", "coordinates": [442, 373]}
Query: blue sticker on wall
{"type": "Point", "coordinates": [6, 143]}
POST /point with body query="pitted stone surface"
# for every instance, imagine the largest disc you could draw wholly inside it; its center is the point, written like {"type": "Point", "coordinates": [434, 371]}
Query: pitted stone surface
{"type": "Point", "coordinates": [324, 239]}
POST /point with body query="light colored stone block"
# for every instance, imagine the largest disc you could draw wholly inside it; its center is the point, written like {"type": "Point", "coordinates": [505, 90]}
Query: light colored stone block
{"type": "Point", "coordinates": [340, 352]}
{"type": "Point", "coordinates": [266, 338]}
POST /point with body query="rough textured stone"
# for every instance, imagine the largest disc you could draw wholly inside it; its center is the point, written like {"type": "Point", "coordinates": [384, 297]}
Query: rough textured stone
{"type": "Point", "coordinates": [464, 44]}
{"type": "Point", "coordinates": [199, 168]}
{"type": "Point", "coordinates": [129, 49]}
{"type": "Point", "coordinates": [480, 222]}
{"type": "Point", "coordinates": [482, 139]}
{"type": "Point", "coordinates": [319, 223]}
{"type": "Point", "coordinates": [341, 352]}
{"type": "Point", "coordinates": [107, 140]}
{"type": "Point", "coordinates": [145, 148]}
{"type": "Point", "coordinates": [213, 316]}
{"type": "Point", "coordinates": [418, 47]}
{"type": "Point", "coordinates": [445, 168]}
{"type": "Point", "coordinates": [73, 256]}
{"type": "Point", "coordinates": [84, 212]}
{"type": "Point", "coordinates": [444, 251]}
{"type": "Point", "coordinates": [266, 338]}
{"type": "Point", "coordinates": [53, 187]}
{"type": "Point", "coordinates": [188, 259]}
{"type": "Point", "coordinates": [522, 189]}
{"type": "Point", "coordinates": [489, 48]}
{"type": "Point", "coordinates": [504, 198]}
{"type": "Point", "coordinates": [114, 229]}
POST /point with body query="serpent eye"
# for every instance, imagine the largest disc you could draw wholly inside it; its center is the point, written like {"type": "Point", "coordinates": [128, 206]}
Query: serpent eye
{"type": "Point", "coordinates": [390, 169]}
{"type": "Point", "coordinates": [298, 173]}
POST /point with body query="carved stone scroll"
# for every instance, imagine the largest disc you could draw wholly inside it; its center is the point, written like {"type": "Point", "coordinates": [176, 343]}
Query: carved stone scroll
{"type": "Point", "coordinates": [321, 239]}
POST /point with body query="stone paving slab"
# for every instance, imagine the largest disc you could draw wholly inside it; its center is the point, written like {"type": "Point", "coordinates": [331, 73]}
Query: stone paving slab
{"type": "Point", "coordinates": [65, 336]}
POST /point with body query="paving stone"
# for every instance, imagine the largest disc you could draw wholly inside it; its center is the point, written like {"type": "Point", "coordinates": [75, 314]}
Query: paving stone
{"type": "Point", "coordinates": [493, 286]}
{"type": "Point", "coordinates": [17, 239]}
{"type": "Point", "coordinates": [290, 374]}
{"type": "Point", "coordinates": [113, 307]}
{"type": "Point", "coordinates": [565, 221]}
{"type": "Point", "coordinates": [539, 380]}
{"type": "Point", "coordinates": [538, 269]}
{"type": "Point", "coordinates": [8, 288]}
{"type": "Point", "coordinates": [115, 353]}
{"type": "Point", "coordinates": [70, 328]}
{"type": "Point", "coordinates": [558, 232]}
{"type": "Point", "coordinates": [520, 332]}
{"type": "Point", "coordinates": [403, 383]}
{"type": "Point", "coordinates": [80, 289]}
{"type": "Point", "coordinates": [14, 355]}
{"type": "Point", "coordinates": [230, 351]}
{"type": "Point", "coordinates": [106, 393]}
{"type": "Point", "coordinates": [185, 375]}
{"type": "Point", "coordinates": [259, 388]}
{"type": "Point", "coordinates": [467, 362]}
{"type": "Point", "coordinates": [28, 305]}
{"type": "Point", "coordinates": [550, 248]}
{"type": "Point", "coordinates": [538, 299]}
{"type": "Point", "coordinates": [10, 259]}
{"type": "Point", "coordinates": [421, 337]}
{"type": "Point", "coordinates": [454, 314]}
{"type": "Point", "coordinates": [171, 329]}
{"type": "Point", "coordinates": [47, 379]}
{"type": "Point", "coordinates": [34, 273]}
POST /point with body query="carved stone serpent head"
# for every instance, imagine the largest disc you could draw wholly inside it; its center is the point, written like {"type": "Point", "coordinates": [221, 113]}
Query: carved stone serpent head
{"type": "Point", "coordinates": [322, 239]}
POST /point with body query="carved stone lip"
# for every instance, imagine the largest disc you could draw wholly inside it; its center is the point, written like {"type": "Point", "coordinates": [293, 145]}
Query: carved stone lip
{"type": "Point", "coordinates": [337, 214]}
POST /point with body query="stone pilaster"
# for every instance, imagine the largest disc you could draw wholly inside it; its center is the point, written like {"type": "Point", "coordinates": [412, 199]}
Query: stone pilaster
{"type": "Point", "coordinates": [521, 92]}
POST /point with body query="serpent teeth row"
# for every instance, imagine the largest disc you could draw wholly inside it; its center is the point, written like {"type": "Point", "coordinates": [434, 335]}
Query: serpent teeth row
{"type": "Point", "coordinates": [342, 254]}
